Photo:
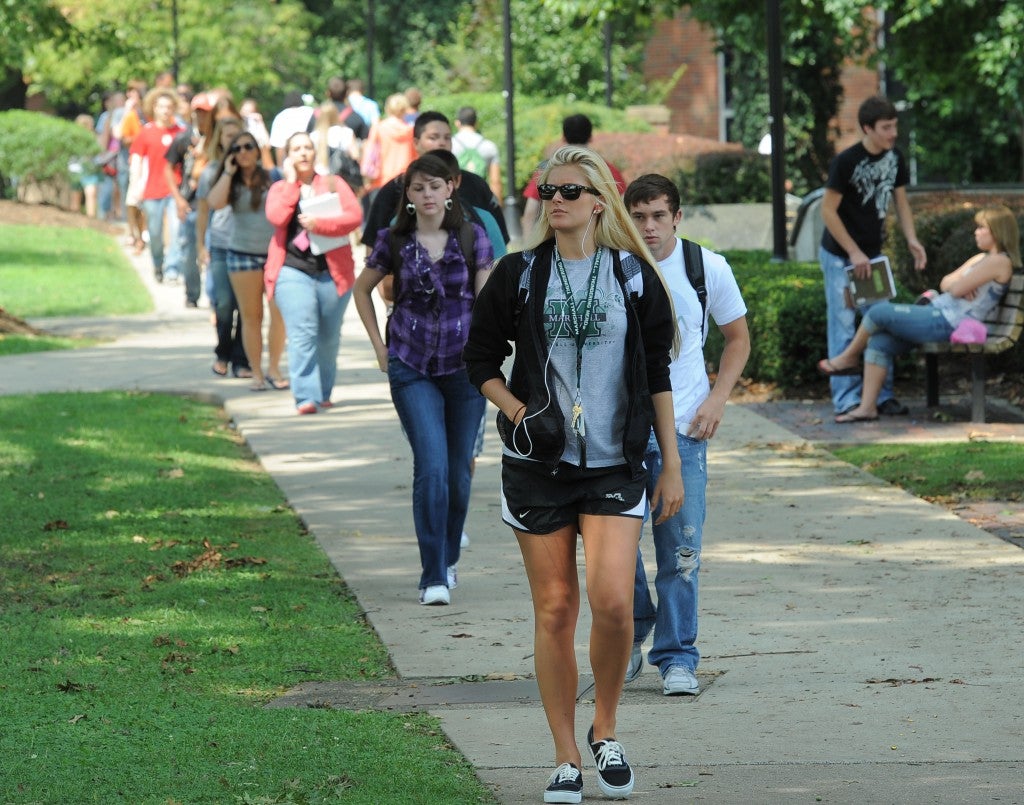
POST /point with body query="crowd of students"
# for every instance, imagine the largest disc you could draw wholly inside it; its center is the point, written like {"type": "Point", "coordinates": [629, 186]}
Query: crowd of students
{"type": "Point", "coordinates": [606, 413]}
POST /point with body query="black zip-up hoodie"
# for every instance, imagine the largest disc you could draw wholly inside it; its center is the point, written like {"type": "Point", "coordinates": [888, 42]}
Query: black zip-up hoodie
{"type": "Point", "coordinates": [500, 316]}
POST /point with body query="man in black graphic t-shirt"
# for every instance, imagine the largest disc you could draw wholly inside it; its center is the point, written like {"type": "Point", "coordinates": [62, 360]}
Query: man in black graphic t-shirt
{"type": "Point", "coordinates": [862, 180]}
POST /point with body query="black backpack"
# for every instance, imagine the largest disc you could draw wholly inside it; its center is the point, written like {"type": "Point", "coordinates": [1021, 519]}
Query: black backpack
{"type": "Point", "coordinates": [340, 163]}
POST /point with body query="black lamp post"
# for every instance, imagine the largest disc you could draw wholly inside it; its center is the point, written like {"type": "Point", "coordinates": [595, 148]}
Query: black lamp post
{"type": "Point", "coordinates": [511, 209]}
{"type": "Point", "coordinates": [778, 157]}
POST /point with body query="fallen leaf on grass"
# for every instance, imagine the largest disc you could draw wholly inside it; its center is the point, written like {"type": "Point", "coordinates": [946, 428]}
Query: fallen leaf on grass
{"type": "Point", "coordinates": [76, 719]}
{"type": "Point", "coordinates": [56, 525]}
{"type": "Point", "coordinates": [975, 475]}
{"type": "Point", "coordinates": [174, 472]}
{"type": "Point", "coordinates": [212, 558]}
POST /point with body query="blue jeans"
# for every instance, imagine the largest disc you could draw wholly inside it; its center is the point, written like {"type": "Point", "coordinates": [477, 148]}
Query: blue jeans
{"type": "Point", "coordinates": [189, 255]}
{"type": "Point", "coordinates": [898, 328]}
{"type": "Point", "coordinates": [312, 313]}
{"type": "Point", "coordinates": [677, 548]}
{"type": "Point", "coordinates": [842, 324]}
{"type": "Point", "coordinates": [441, 416]}
{"type": "Point", "coordinates": [229, 322]}
{"type": "Point", "coordinates": [156, 210]}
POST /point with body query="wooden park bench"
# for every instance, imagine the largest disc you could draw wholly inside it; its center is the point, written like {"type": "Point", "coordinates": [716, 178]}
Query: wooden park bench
{"type": "Point", "coordinates": [1004, 325]}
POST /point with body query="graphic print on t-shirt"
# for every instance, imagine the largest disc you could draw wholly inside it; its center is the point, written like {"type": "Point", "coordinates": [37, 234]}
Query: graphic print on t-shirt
{"type": "Point", "coordinates": [558, 322]}
{"type": "Point", "coordinates": [875, 180]}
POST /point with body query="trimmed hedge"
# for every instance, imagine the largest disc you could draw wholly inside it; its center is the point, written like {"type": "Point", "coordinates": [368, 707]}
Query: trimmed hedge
{"type": "Point", "coordinates": [786, 316]}
{"type": "Point", "coordinates": [726, 177]}
{"type": "Point", "coordinates": [35, 148]}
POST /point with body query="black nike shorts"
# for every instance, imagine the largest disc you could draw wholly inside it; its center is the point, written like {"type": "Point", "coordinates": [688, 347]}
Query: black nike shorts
{"type": "Point", "coordinates": [536, 502]}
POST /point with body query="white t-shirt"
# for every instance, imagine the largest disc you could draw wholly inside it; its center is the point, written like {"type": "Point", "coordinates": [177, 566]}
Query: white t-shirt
{"type": "Point", "coordinates": [690, 385]}
{"type": "Point", "coordinates": [464, 140]}
{"type": "Point", "coordinates": [288, 122]}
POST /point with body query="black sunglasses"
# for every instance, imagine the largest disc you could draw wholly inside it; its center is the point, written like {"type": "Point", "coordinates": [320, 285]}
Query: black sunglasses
{"type": "Point", "coordinates": [570, 192]}
{"type": "Point", "coordinates": [242, 147]}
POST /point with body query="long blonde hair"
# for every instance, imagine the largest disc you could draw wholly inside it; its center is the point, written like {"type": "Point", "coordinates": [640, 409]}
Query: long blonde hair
{"type": "Point", "coordinates": [614, 228]}
{"type": "Point", "coordinates": [1002, 223]}
{"type": "Point", "coordinates": [328, 117]}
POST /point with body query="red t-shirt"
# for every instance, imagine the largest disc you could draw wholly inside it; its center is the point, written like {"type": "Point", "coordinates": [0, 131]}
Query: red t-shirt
{"type": "Point", "coordinates": [531, 188]}
{"type": "Point", "coordinates": [151, 144]}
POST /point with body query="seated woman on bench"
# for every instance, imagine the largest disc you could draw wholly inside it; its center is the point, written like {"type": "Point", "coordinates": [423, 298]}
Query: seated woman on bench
{"type": "Point", "coordinates": [889, 329]}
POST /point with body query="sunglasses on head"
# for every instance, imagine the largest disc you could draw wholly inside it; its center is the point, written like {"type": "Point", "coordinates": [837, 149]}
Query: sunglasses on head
{"type": "Point", "coordinates": [242, 147]}
{"type": "Point", "coordinates": [570, 192]}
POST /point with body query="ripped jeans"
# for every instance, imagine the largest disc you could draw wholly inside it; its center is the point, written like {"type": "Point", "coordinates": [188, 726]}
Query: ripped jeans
{"type": "Point", "coordinates": [677, 548]}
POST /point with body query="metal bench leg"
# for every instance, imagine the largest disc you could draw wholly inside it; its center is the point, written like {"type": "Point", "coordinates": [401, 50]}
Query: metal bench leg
{"type": "Point", "coordinates": [931, 370]}
{"type": "Point", "coordinates": [977, 388]}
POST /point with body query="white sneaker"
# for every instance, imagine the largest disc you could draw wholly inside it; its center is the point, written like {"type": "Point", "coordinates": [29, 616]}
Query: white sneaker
{"type": "Point", "coordinates": [679, 681]}
{"type": "Point", "coordinates": [464, 542]}
{"type": "Point", "coordinates": [453, 577]}
{"type": "Point", "coordinates": [435, 595]}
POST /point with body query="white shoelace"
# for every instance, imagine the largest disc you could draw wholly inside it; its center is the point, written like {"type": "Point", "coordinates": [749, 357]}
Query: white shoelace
{"type": "Point", "coordinates": [565, 773]}
{"type": "Point", "coordinates": [610, 754]}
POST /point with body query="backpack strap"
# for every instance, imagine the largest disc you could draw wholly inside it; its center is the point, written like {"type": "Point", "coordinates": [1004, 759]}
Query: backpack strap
{"type": "Point", "coordinates": [693, 259]}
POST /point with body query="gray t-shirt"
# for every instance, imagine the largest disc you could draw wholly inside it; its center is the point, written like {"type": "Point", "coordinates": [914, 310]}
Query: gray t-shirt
{"type": "Point", "coordinates": [221, 221]}
{"type": "Point", "coordinates": [252, 230]}
{"type": "Point", "coordinates": [602, 385]}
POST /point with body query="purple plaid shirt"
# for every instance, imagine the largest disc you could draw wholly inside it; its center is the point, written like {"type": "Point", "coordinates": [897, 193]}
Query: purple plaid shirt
{"type": "Point", "coordinates": [430, 322]}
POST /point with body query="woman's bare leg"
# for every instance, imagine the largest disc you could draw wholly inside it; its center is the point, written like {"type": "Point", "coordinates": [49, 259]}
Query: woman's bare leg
{"type": "Point", "coordinates": [550, 562]}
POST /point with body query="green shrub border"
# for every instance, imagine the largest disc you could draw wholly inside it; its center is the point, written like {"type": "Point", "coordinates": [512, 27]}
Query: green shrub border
{"type": "Point", "coordinates": [36, 148]}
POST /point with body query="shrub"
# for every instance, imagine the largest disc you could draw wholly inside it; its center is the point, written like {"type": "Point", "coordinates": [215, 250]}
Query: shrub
{"type": "Point", "coordinates": [786, 316]}
{"type": "Point", "coordinates": [36, 148]}
{"type": "Point", "coordinates": [726, 177]}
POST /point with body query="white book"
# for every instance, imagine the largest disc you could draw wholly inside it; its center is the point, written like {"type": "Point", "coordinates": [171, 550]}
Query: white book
{"type": "Point", "coordinates": [876, 288]}
{"type": "Point", "coordinates": [326, 205]}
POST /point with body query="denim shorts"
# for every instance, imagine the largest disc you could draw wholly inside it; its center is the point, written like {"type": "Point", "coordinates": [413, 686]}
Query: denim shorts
{"type": "Point", "coordinates": [536, 502]}
{"type": "Point", "coordinates": [240, 261]}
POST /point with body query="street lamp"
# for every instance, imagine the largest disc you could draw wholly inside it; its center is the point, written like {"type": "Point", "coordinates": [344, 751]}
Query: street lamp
{"type": "Point", "coordinates": [774, 32]}
{"type": "Point", "coordinates": [511, 208]}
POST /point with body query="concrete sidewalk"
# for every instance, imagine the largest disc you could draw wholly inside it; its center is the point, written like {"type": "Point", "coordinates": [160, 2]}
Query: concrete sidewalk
{"type": "Point", "coordinates": [860, 645]}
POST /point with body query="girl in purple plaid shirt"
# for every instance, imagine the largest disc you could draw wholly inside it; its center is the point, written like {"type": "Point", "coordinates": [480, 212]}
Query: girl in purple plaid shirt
{"type": "Point", "coordinates": [439, 263]}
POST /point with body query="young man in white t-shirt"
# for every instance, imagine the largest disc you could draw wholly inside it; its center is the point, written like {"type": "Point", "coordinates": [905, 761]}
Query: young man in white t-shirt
{"type": "Point", "coordinates": [653, 203]}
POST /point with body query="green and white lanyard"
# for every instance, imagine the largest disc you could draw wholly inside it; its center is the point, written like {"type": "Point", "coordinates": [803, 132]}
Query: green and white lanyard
{"type": "Point", "coordinates": [578, 329]}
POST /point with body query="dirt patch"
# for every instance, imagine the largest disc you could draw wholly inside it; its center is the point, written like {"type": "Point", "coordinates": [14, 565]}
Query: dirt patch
{"type": "Point", "coordinates": [14, 212]}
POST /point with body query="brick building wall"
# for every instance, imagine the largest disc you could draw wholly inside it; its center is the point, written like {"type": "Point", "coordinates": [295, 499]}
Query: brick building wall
{"type": "Point", "coordinates": [694, 102]}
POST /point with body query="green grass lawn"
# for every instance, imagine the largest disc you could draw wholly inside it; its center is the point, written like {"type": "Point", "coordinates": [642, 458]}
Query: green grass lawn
{"type": "Point", "coordinates": [59, 271]}
{"type": "Point", "coordinates": [155, 592]}
{"type": "Point", "coordinates": [945, 471]}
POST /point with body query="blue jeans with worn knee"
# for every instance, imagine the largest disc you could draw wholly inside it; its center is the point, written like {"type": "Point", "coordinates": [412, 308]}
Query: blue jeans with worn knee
{"type": "Point", "coordinates": [312, 313]}
{"type": "Point", "coordinates": [841, 326]}
{"type": "Point", "coordinates": [898, 328]}
{"type": "Point", "coordinates": [677, 544]}
{"type": "Point", "coordinates": [441, 416]}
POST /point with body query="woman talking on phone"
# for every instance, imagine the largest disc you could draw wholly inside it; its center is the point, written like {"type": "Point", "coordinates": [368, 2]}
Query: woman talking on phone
{"type": "Point", "coordinates": [593, 328]}
{"type": "Point", "coordinates": [311, 285]}
{"type": "Point", "coordinates": [242, 185]}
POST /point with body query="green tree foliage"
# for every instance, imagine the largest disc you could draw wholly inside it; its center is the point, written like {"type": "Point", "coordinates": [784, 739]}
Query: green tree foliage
{"type": "Point", "coordinates": [962, 64]}
{"type": "Point", "coordinates": [253, 48]}
{"type": "Point", "coordinates": [558, 50]}
{"type": "Point", "coordinates": [817, 39]}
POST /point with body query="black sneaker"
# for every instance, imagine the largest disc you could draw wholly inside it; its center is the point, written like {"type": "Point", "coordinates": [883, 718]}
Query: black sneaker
{"type": "Point", "coordinates": [565, 785]}
{"type": "Point", "coordinates": [614, 776]}
{"type": "Point", "coordinates": [893, 407]}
